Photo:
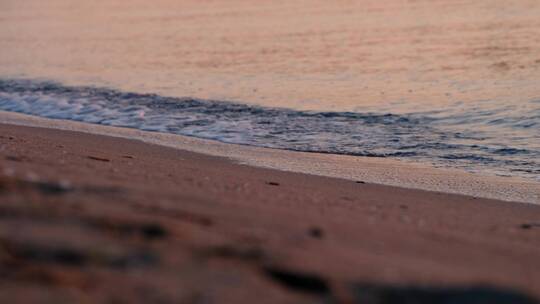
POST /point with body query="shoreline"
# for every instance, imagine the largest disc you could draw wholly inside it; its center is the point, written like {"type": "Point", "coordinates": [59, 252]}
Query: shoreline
{"type": "Point", "coordinates": [87, 216]}
{"type": "Point", "coordinates": [385, 171]}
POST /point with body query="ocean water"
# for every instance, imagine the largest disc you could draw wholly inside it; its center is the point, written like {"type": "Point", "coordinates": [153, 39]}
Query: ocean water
{"type": "Point", "coordinates": [450, 83]}
{"type": "Point", "coordinates": [503, 141]}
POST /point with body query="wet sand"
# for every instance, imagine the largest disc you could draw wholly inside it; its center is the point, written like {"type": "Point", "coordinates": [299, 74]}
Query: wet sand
{"type": "Point", "coordinates": [88, 218]}
{"type": "Point", "coordinates": [384, 171]}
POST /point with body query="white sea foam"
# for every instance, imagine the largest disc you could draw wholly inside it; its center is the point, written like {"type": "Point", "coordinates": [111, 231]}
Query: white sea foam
{"type": "Point", "coordinates": [492, 141]}
{"type": "Point", "coordinates": [373, 170]}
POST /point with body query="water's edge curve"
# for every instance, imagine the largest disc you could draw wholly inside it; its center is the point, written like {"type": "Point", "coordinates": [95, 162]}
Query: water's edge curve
{"type": "Point", "coordinates": [373, 170]}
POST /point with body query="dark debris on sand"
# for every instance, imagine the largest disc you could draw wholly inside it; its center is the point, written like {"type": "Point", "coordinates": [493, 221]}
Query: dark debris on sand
{"type": "Point", "coordinates": [316, 232]}
{"type": "Point", "coordinates": [388, 294]}
{"type": "Point", "coordinates": [298, 281]}
{"type": "Point", "coordinates": [529, 225]}
{"type": "Point", "coordinates": [102, 159]}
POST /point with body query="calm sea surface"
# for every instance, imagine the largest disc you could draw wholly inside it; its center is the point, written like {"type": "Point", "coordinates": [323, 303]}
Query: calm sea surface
{"type": "Point", "coordinates": [452, 83]}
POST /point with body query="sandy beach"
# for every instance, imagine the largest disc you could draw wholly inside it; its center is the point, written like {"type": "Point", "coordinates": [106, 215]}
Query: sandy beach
{"type": "Point", "coordinates": [87, 219]}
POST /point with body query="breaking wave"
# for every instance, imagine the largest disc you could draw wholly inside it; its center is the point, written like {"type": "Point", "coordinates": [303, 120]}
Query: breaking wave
{"type": "Point", "coordinates": [503, 141]}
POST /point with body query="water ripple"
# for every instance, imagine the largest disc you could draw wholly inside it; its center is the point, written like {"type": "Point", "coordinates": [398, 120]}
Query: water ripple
{"type": "Point", "coordinates": [504, 141]}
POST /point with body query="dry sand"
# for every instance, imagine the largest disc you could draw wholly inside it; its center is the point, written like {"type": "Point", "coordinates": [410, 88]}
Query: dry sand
{"type": "Point", "coordinates": [89, 219]}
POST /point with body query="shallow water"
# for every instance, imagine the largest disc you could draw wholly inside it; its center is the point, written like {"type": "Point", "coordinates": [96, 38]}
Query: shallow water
{"type": "Point", "coordinates": [503, 141]}
{"type": "Point", "coordinates": [453, 83]}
